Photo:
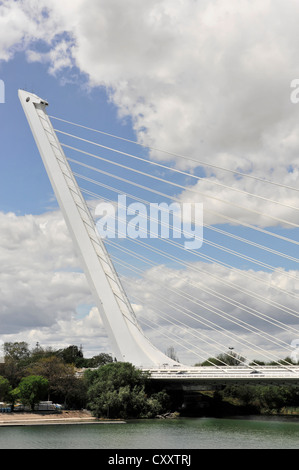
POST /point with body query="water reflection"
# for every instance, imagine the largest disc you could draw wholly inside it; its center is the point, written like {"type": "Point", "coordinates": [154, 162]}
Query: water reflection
{"type": "Point", "coordinates": [191, 433]}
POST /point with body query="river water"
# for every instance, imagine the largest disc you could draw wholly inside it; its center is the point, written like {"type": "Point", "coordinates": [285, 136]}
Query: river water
{"type": "Point", "coordinates": [181, 433]}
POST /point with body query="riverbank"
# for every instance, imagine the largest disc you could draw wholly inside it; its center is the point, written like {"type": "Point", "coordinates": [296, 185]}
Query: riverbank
{"type": "Point", "coordinates": [42, 418]}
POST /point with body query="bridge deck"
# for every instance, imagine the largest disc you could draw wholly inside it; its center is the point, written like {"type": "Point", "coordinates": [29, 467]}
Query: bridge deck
{"type": "Point", "coordinates": [261, 373]}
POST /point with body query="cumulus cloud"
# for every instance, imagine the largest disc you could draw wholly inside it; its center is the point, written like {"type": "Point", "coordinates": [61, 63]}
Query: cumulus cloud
{"type": "Point", "coordinates": [202, 79]}
{"type": "Point", "coordinates": [208, 308]}
{"type": "Point", "coordinates": [243, 201]}
{"type": "Point", "coordinates": [199, 77]}
{"type": "Point", "coordinates": [41, 284]}
{"type": "Point", "coordinates": [44, 292]}
{"type": "Point", "coordinates": [25, 22]}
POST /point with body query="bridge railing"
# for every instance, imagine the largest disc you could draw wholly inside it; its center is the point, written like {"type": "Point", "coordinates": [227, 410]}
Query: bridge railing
{"type": "Point", "coordinates": [225, 372]}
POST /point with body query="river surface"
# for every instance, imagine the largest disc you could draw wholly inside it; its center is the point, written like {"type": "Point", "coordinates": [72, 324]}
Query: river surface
{"type": "Point", "coordinates": [181, 433]}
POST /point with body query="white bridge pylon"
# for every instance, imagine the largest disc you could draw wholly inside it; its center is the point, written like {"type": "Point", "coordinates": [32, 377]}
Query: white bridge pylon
{"type": "Point", "coordinates": [127, 339]}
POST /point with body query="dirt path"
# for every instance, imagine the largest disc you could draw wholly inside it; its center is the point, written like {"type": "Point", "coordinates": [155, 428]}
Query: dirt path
{"type": "Point", "coordinates": [64, 417]}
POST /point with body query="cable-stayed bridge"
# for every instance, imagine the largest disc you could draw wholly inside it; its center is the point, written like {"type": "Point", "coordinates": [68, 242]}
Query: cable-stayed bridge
{"type": "Point", "coordinates": [190, 257]}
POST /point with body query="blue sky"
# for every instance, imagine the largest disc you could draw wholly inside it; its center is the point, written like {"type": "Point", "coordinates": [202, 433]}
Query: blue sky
{"type": "Point", "coordinates": [25, 187]}
{"type": "Point", "coordinates": [199, 79]}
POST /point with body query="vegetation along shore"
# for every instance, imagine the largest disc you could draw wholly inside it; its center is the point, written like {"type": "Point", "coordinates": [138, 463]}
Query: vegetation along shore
{"type": "Point", "coordinates": [107, 390]}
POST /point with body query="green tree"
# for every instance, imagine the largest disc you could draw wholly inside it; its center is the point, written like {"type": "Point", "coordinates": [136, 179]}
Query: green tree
{"type": "Point", "coordinates": [61, 377]}
{"type": "Point", "coordinates": [273, 397]}
{"type": "Point", "coordinates": [17, 351]}
{"type": "Point", "coordinates": [32, 390]}
{"type": "Point", "coordinates": [230, 358]}
{"type": "Point", "coordinates": [244, 393]}
{"type": "Point", "coordinates": [13, 372]}
{"type": "Point", "coordinates": [99, 360]}
{"type": "Point", "coordinates": [263, 398]}
{"type": "Point", "coordinates": [38, 352]}
{"type": "Point", "coordinates": [72, 355]}
{"type": "Point", "coordinates": [14, 396]}
{"type": "Point", "coordinates": [16, 356]}
{"type": "Point", "coordinates": [287, 361]}
{"type": "Point", "coordinates": [211, 361]}
{"type": "Point", "coordinates": [5, 389]}
{"type": "Point", "coordinates": [118, 390]}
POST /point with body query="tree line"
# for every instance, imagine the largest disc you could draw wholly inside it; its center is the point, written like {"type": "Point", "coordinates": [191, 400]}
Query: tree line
{"type": "Point", "coordinates": [45, 374]}
{"type": "Point", "coordinates": [231, 358]}
{"type": "Point", "coordinates": [113, 389]}
{"type": "Point", "coordinates": [108, 388]}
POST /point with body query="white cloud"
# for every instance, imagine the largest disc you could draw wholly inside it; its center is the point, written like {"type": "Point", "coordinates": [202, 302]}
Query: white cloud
{"type": "Point", "coordinates": [244, 200]}
{"type": "Point", "coordinates": [214, 307]}
{"type": "Point", "coordinates": [87, 331]}
{"type": "Point", "coordinates": [41, 284]}
{"type": "Point", "coordinates": [43, 293]}
{"type": "Point", "coordinates": [22, 23]}
{"type": "Point", "coordinates": [203, 79]}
